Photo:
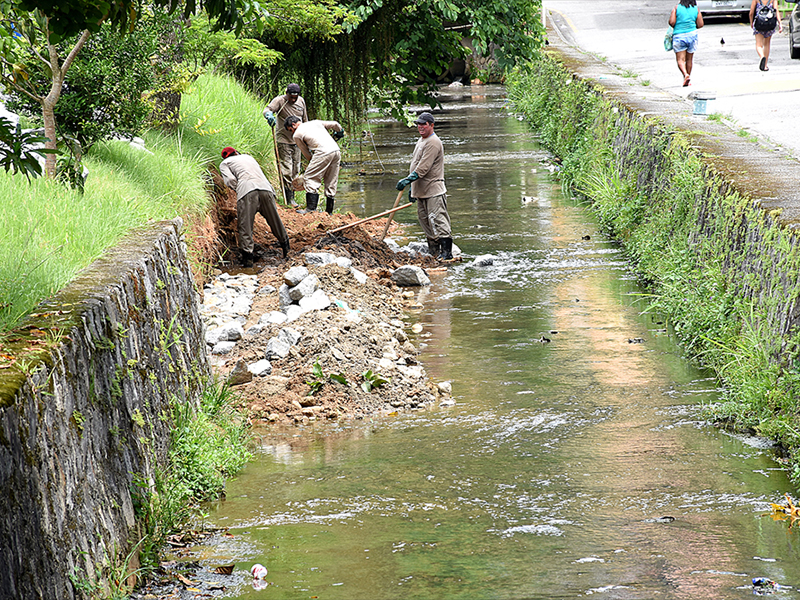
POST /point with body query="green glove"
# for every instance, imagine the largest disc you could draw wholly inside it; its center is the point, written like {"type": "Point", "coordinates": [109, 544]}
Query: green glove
{"type": "Point", "coordinates": [337, 135]}
{"type": "Point", "coordinates": [269, 117]}
{"type": "Point", "coordinates": [401, 185]}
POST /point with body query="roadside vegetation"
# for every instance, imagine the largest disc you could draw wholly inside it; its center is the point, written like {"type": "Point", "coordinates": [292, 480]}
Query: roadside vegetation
{"type": "Point", "coordinates": [682, 227]}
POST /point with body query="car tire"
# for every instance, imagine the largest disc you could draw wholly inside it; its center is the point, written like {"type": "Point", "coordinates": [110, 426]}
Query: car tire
{"type": "Point", "coordinates": [794, 52]}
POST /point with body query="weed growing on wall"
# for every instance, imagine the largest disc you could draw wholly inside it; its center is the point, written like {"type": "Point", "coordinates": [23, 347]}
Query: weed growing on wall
{"type": "Point", "coordinates": [717, 266]}
{"type": "Point", "coordinates": [208, 444]}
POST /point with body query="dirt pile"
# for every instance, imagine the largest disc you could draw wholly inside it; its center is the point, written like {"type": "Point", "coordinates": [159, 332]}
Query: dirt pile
{"type": "Point", "coordinates": [345, 352]}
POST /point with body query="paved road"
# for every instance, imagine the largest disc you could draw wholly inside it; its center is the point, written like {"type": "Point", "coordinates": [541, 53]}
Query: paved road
{"type": "Point", "coordinates": [630, 33]}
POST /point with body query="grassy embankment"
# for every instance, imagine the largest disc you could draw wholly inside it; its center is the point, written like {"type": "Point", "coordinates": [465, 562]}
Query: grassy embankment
{"type": "Point", "coordinates": [718, 267]}
{"type": "Point", "coordinates": [48, 233]}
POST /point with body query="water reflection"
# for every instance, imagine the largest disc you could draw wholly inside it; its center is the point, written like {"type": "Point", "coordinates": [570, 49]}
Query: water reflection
{"type": "Point", "coordinates": [551, 475]}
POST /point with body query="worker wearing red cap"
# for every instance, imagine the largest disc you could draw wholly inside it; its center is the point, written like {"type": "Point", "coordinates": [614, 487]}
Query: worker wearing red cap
{"type": "Point", "coordinates": [286, 105]}
{"type": "Point", "coordinates": [254, 194]}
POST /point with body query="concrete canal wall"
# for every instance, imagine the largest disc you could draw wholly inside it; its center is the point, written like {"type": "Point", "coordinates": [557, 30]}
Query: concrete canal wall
{"type": "Point", "coordinates": [707, 212]}
{"type": "Point", "coordinates": [84, 421]}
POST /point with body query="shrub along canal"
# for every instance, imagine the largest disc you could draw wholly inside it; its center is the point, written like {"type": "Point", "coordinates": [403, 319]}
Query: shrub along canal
{"type": "Point", "coordinates": [575, 466]}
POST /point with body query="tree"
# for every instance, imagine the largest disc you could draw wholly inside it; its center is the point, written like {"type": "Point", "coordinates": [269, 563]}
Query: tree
{"type": "Point", "coordinates": [33, 29]}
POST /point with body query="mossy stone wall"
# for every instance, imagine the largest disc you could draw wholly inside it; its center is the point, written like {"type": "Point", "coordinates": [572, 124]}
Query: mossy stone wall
{"type": "Point", "coordinates": [84, 412]}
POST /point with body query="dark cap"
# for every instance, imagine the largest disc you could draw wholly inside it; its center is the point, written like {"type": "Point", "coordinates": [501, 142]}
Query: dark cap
{"type": "Point", "coordinates": [228, 151]}
{"type": "Point", "coordinates": [293, 88]}
{"type": "Point", "coordinates": [423, 118]}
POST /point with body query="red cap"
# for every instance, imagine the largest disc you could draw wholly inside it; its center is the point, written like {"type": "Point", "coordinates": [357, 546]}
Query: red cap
{"type": "Point", "coordinates": [228, 151]}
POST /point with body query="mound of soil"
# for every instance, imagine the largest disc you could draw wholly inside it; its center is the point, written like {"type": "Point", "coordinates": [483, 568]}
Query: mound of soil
{"type": "Point", "coordinates": [367, 333]}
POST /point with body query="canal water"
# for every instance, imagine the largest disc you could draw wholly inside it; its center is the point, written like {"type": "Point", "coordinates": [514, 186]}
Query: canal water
{"type": "Point", "coordinates": [578, 466]}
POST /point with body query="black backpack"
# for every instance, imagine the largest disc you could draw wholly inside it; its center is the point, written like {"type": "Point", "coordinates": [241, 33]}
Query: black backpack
{"type": "Point", "coordinates": [766, 19]}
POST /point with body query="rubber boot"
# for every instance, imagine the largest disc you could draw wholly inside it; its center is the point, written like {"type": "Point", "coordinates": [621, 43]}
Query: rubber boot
{"type": "Point", "coordinates": [433, 248]}
{"type": "Point", "coordinates": [247, 259]}
{"type": "Point", "coordinates": [288, 193]}
{"type": "Point", "coordinates": [311, 203]}
{"type": "Point", "coordinates": [446, 244]}
{"type": "Point", "coordinates": [285, 248]}
{"type": "Point", "coordinates": [329, 204]}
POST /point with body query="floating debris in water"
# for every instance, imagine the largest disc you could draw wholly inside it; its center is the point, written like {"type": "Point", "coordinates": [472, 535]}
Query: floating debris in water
{"type": "Point", "coordinates": [636, 340]}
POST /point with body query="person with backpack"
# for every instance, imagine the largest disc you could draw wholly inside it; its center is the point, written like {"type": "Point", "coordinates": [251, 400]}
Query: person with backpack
{"type": "Point", "coordinates": [685, 20]}
{"type": "Point", "coordinates": [765, 19]}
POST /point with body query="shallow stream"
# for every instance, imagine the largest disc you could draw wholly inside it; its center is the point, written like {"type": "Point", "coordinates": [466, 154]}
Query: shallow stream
{"type": "Point", "coordinates": [569, 468]}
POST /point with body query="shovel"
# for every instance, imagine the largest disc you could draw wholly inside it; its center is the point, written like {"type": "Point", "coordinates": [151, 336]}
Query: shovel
{"type": "Point", "coordinates": [391, 215]}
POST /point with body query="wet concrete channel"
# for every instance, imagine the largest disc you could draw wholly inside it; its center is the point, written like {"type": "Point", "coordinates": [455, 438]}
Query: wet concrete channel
{"type": "Point", "coordinates": [571, 467]}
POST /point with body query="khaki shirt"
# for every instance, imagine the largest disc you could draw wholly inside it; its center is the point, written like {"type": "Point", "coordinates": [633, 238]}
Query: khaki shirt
{"type": "Point", "coordinates": [282, 108]}
{"type": "Point", "coordinates": [242, 173]}
{"type": "Point", "coordinates": [313, 137]}
{"type": "Point", "coordinates": [428, 162]}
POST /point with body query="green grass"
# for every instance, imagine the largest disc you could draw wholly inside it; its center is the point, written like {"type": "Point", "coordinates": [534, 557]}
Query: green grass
{"type": "Point", "coordinates": [48, 233]}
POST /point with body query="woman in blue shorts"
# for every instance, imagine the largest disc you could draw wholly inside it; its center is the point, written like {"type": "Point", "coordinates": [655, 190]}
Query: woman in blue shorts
{"type": "Point", "coordinates": [685, 20]}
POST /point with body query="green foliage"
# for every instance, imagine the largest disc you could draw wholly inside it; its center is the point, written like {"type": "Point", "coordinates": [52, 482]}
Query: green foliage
{"type": "Point", "coordinates": [317, 379]}
{"type": "Point", "coordinates": [207, 444]}
{"type": "Point", "coordinates": [21, 150]}
{"type": "Point", "coordinates": [372, 381]}
{"type": "Point", "coordinates": [106, 85]}
{"type": "Point", "coordinates": [692, 239]}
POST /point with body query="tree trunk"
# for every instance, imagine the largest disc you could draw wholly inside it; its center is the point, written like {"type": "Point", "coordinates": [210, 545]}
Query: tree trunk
{"type": "Point", "coordinates": [58, 72]}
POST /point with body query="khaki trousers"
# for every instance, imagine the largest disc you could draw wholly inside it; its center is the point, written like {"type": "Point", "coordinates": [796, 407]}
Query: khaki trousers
{"type": "Point", "coordinates": [258, 201]}
{"type": "Point", "coordinates": [323, 167]}
{"type": "Point", "coordinates": [289, 155]}
{"type": "Point", "coordinates": [433, 217]}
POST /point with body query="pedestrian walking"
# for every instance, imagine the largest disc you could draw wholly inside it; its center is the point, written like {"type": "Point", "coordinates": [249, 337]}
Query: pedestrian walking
{"type": "Point", "coordinates": [428, 189]}
{"type": "Point", "coordinates": [765, 20]}
{"type": "Point", "coordinates": [287, 105]}
{"type": "Point", "coordinates": [323, 155]}
{"type": "Point", "coordinates": [254, 194]}
{"type": "Point", "coordinates": [685, 19]}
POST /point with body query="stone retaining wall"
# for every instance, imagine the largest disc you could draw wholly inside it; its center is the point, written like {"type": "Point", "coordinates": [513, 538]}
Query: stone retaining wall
{"type": "Point", "coordinates": [708, 215]}
{"type": "Point", "coordinates": [84, 421]}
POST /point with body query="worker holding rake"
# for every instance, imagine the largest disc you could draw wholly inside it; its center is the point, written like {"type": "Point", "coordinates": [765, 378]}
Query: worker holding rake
{"type": "Point", "coordinates": [428, 189]}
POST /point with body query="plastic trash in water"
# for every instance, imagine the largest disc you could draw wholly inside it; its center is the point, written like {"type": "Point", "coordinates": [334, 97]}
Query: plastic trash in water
{"type": "Point", "coordinates": [763, 582]}
{"type": "Point", "coordinates": [259, 571]}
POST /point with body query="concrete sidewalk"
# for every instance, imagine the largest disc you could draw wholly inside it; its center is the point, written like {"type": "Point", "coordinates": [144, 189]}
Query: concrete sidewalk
{"type": "Point", "coordinates": [761, 104]}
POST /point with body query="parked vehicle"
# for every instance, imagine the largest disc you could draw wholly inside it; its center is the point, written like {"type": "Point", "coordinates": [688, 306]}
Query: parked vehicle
{"type": "Point", "coordinates": [736, 8]}
{"type": "Point", "coordinates": [794, 30]}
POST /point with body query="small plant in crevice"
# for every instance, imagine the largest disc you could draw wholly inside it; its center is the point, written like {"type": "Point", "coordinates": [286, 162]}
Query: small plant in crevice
{"type": "Point", "coordinates": [372, 381]}
{"type": "Point", "coordinates": [318, 378]}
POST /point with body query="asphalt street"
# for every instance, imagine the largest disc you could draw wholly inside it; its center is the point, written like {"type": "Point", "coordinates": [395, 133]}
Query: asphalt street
{"type": "Point", "coordinates": [629, 35]}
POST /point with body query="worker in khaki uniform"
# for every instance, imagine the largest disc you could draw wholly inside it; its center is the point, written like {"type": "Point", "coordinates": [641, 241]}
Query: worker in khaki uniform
{"type": "Point", "coordinates": [428, 189]}
{"type": "Point", "coordinates": [254, 194]}
{"type": "Point", "coordinates": [315, 142]}
{"type": "Point", "coordinates": [287, 105]}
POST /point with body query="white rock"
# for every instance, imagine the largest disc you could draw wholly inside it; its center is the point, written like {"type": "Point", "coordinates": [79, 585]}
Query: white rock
{"type": "Point", "coordinates": [256, 329]}
{"type": "Point", "coordinates": [223, 347]}
{"type": "Point", "coordinates": [317, 301]}
{"type": "Point", "coordinates": [414, 372]}
{"type": "Point", "coordinates": [305, 288]}
{"type": "Point", "coordinates": [343, 262]}
{"type": "Point", "coordinates": [360, 277]}
{"type": "Point", "coordinates": [293, 312]}
{"type": "Point", "coordinates": [284, 299]}
{"type": "Point", "coordinates": [445, 387]}
{"type": "Point", "coordinates": [289, 335]}
{"type": "Point", "coordinates": [385, 364]}
{"type": "Point", "coordinates": [295, 275]}
{"type": "Point", "coordinates": [484, 260]}
{"type": "Point", "coordinates": [392, 244]}
{"type": "Point", "coordinates": [277, 347]}
{"type": "Point", "coordinates": [273, 317]}
{"type": "Point", "coordinates": [260, 368]}
{"type": "Point", "coordinates": [319, 258]}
